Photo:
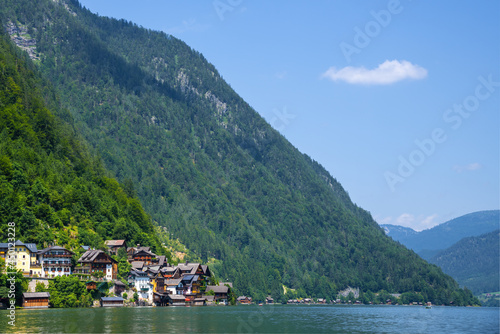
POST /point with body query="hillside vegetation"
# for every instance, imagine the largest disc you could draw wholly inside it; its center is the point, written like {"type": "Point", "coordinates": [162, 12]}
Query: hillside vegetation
{"type": "Point", "coordinates": [206, 166]}
{"type": "Point", "coordinates": [473, 262]}
{"type": "Point", "coordinates": [428, 243]}
{"type": "Point", "coordinates": [51, 187]}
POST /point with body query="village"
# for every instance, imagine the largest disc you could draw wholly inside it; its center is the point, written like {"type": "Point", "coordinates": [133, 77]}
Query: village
{"type": "Point", "coordinates": [151, 281]}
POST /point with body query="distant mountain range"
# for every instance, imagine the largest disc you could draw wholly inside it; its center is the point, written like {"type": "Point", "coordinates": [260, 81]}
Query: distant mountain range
{"type": "Point", "coordinates": [429, 242]}
{"type": "Point", "coordinates": [473, 262]}
{"type": "Point", "coordinates": [466, 248]}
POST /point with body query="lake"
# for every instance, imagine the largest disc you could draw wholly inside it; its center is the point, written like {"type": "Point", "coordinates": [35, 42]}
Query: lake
{"type": "Point", "coordinates": [254, 319]}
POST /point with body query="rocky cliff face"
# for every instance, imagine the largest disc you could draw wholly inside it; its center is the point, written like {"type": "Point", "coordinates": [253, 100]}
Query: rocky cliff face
{"type": "Point", "coordinates": [19, 34]}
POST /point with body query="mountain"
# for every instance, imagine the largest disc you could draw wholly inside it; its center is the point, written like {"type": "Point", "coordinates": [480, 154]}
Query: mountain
{"type": "Point", "coordinates": [208, 169]}
{"type": "Point", "coordinates": [399, 233]}
{"type": "Point", "coordinates": [51, 187]}
{"type": "Point", "coordinates": [428, 243]}
{"type": "Point", "coordinates": [473, 262]}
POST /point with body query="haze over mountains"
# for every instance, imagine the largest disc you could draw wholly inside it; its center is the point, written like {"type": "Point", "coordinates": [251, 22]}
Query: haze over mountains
{"type": "Point", "coordinates": [429, 242]}
{"type": "Point", "coordinates": [189, 152]}
{"type": "Point", "coordinates": [467, 248]}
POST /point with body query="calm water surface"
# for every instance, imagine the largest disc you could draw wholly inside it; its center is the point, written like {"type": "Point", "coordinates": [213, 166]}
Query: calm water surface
{"type": "Point", "coordinates": [257, 319]}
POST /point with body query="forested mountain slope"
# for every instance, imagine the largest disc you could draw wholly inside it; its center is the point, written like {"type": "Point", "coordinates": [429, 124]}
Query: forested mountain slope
{"type": "Point", "coordinates": [207, 167]}
{"type": "Point", "coordinates": [473, 262]}
{"type": "Point", "coordinates": [51, 187]}
{"type": "Point", "coordinates": [428, 243]}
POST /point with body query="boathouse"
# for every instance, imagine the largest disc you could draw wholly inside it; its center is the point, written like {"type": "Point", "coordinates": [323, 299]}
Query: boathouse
{"type": "Point", "coordinates": [36, 299]}
{"type": "Point", "coordinates": [111, 301]}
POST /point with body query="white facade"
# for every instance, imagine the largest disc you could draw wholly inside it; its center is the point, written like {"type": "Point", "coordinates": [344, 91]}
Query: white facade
{"type": "Point", "coordinates": [109, 272]}
{"type": "Point", "coordinates": [144, 287]}
{"type": "Point", "coordinates": [55, 262]}
{"type": "Point", "coordinates": [175, 289]}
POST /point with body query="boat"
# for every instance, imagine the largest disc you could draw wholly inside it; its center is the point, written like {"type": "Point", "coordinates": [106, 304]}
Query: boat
{"type": "Point", "coordinates": [428, 305]}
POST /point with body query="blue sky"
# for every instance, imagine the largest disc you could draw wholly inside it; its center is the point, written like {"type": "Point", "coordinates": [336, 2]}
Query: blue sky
{"type": "Point", "coordinates": [398, 100]}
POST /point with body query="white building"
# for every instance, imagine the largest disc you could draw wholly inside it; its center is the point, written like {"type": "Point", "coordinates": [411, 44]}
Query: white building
{"type": "Point", "coordinates": [142, 284]}
{"type": "Point", "coordinates": [55, 261]}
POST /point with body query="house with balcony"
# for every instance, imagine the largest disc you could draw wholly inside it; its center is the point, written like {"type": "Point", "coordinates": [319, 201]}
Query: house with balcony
{"type": "Point", "coordinates": [141, 282]}
{"type": "Point", "coordinates": [93, 261]}
{"type": "Point", "coordinates": [145, 256]}
{"type": "Point", "coordinates": [170, 272]}
{"type": "Point", "coordinates": [55, 261]}
{"type": "Point", "coordinates": [220, 293]}
{"type": "Point", "coordinates": [132, 250]}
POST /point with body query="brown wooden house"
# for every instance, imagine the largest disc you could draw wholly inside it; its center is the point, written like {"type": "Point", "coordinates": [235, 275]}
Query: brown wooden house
{"type": "Point", "coordinates": [170, 272]}
{"type": "Point", "coordinates": [244, 300]}
{"type": "Point", "coordinates": [220, 292]}
{"type": "Point", "coordinates": [93, 261]}
{"type": "Point", "coordinates": [144, 256]}
{"type": "Point", "coordinates": [36, 299]}
{"type": "Point", "coordinates": [115, 245]}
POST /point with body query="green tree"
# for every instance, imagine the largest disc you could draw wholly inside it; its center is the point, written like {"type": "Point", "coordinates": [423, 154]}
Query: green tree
{"type": "Point", "coordinates": [68, 291]}
{"type": "Point", "coordinates": [20, 285]}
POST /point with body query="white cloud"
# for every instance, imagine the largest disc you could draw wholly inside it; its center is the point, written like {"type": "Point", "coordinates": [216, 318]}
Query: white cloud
{"type": "Point", "coordinates": [469, 167]}
{"type": "Point", "coordinates": [388, 72]}
{"type": "Point", "coordinates": [405, 219]}
{"type": "Point", "coordinates": [385, 220]}
{"type": "Point", "coordinates": [418, 223]}
{"type": "Point", "coordinates": [428, 222]}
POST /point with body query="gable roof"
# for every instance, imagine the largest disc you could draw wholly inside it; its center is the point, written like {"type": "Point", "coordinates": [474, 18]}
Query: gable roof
{"type": "Point", "coordinates": [153, 269]}
{"type": "Point", "coordinates": [90, 255]}
{"type": "Point", "coordinates": [206, 270]}
{"type": "Point", "coordinates": [36, 295]}
{"type": "Point", "coordinates": [161, 260]}
{"type": "Point", "coordinates": [169, 269]}
{"type": "Point", "coordinates": [173, 282]}
{"type": "Point", "coordinates": [240, 298]}
{"type": "Point", "coordinates": [137, 264]}
{"type": "Point", "coordinates": [112, 299]}
{"type": "Point", "coordinates": [143, 251]}
{"type": "Point", "coordinates": [217, 289]}
{"type": "Point", "coordinates": [188, 268]}
{"type": "Point", "coordinates": [190, 278]}
{"type": "Point", "coordinates": [138, 273]}
{"type": "Point", "coordinates": [135, 249]}
{"type": "Point", "coordinates": [119, 283]}
{"type": "Point", "coordinates": [45, 250]}
{"type": "Point", "coordinates": [115, 243]}
{"type": "Point", "coordinates": [177, 297]}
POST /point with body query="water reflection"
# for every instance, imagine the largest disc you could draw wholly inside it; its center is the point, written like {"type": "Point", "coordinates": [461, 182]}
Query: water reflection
{"type": "Point", "coordinates": [251, 319]}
